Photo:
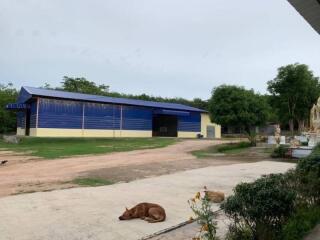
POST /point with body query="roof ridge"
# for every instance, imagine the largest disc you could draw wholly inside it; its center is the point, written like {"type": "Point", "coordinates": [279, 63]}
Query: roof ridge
{"type": "Point", "coordinates": [107, 99]}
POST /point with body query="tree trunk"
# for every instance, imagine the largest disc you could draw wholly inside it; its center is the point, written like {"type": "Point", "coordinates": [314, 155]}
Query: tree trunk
{"type": "Point", "coordinates": [301, 125]}
{"type": "Point", "coordinates": [252, 135]}
{"type": "Point", "coordinates": [291, 126]}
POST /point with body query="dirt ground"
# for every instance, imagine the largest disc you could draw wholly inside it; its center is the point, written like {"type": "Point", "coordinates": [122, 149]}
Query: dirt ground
{"type": "Point", "coordinates": [29, 174]}
{"type": "Point", "coordinates": [24, 173]}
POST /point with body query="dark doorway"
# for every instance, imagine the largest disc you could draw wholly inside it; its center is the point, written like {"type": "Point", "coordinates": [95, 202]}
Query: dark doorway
{"type": "Point", "coordinates": [28, 122]}
{"type": "Point", "coordinates": [164, 126]}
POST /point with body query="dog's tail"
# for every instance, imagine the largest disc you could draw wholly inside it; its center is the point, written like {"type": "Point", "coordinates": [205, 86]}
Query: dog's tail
{"type": "Point", "coordinates": [151, 220]}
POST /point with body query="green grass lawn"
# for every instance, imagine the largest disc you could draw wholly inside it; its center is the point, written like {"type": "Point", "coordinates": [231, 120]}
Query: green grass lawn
{"type": "Point", "coordinates": [228, 148]}
{"type": "Point", "coordinates": [51, 148]}
{"type": "Point", "coordinates": [91, 182]}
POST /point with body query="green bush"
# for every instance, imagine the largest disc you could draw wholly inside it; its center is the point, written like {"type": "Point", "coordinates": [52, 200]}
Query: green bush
{"type": "Point", "coordinates": [283, 206]}
{"type": "Point", "coordinates": [304, 220]}
{"type": "Point", "coordinates": [307, 178]}
{"type": "Point", "coordinates": [236, 233]}
{"type": "Point", "coordinates": [262, 206]}
{"type": "Point", "coordinates": [316, 150]}
{"type": "Point", "coordinates": [280, 152]}
{"type": "Point", "coordinates": [232, 146]}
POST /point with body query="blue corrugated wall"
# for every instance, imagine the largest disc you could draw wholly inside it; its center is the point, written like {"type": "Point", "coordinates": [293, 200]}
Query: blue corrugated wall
{"type": "Point", "coordinates": [59, 114]}
{"type": "Point", "coordinates": [101, 116]}
{"type": "Point", "coordinates": [33, 114]}
{"type": "Point", "coordinates": [136, 118]}
{"type": "Point", "coordinates": [191, 123]}
{"type": "Point", "coordinates": [21, 117]}
{"type": "Point", "coordinates": [55, 113]}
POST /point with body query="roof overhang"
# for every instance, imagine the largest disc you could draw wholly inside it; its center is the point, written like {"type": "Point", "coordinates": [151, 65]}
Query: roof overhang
{"type": "Point", "coordinates": [17, 106]}
{"type": "Point", "coordinates": [171, 112]}
{"type": "Point", "coordinates": [310, 10]}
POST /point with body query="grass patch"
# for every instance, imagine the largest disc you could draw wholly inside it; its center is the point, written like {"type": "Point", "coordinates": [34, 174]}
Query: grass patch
{"type": "Point", "coordinates": [50, 148]}
{"type": "Point", "coordinates": [91, 182]}
{"type": "Point", "coordinates": [229, 148]}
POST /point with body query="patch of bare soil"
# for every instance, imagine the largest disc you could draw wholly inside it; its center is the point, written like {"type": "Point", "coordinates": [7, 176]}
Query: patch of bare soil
{"type": "Point", "coordinates": [23, 174]}
{"type": "Point", "coordinates": [16, 157]}
{"type": "Point", "coordinates": [138, 171]}
{"type": "Point", "coordinates": [127, 174]}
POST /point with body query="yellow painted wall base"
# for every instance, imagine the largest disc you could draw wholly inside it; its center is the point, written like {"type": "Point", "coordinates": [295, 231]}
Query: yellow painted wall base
{"type": "Point", "coordinates": [97, 133]}
{"type": "Point", "coordinates": [57, 132]}
{"type": "Point", "coordinates": [132, 133]}
{"type": "Point", "coordinates": [21, 131]}
{"type": "Point", "coordinates": [33, 132]}
{"type": "Point", "coordinates": [187, 134]}
{"type": "Point", "coordinates": [206, 121]}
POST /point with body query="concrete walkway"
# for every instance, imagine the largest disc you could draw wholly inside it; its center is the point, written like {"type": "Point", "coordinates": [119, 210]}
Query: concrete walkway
{"type": "Point", "coordinates": [92, 213]}
{"type": "Point", "coordinates": [314, 234]}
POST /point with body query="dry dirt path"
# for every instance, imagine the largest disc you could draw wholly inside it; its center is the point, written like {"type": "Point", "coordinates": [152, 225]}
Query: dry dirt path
{"type": "Point", "coordinates": [44, 172]}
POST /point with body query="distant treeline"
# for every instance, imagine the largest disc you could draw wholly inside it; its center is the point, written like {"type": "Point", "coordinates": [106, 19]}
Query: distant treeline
{"type": "Point", "coordinates": [82, 85]}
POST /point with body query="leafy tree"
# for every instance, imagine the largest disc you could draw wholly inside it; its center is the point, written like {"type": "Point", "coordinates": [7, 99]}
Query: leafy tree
{"type": "Point", "coordinates": [199, 103]}
{"type": "Point", "coordinates": [7, 118]}
{"type": "Point", "coordinates": [238, 107]}
{"type": "Point", "coordinates": [82, 85]}
{"type": "Point", "coordinates": [294, 90]}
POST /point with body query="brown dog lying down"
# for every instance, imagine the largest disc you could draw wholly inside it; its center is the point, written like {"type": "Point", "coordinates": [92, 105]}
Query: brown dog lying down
{"type": "Point", "coordinates": [149, 212]}
{"type": "Point", "coordinates": [215, 196]}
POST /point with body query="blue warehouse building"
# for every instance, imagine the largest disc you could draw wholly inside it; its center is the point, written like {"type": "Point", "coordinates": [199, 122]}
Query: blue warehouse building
{"type": "Point", "coordinates": [51, 113]}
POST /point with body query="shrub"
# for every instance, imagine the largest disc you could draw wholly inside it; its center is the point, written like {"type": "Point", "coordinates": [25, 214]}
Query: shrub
{"type": "Point", "coordinates": [305, 219]}
{"type": "Point", "coordinates": [262, 206]}
{"type": "Point", "coordinates": [232, 146]}
{"type": "Point", "coordinates": [202, 208]}
{"type": "Point", "coordinates": [236, 233]}
{"type": "Point", "coordinates": [280, 152]}
{"type": "Point", "coordinates": [307, 178]}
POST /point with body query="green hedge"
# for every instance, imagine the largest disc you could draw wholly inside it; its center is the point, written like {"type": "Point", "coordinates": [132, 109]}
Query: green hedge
{"type": "Point", "coordinates": [277, 206]}
{"type": "Point", "coordinates": [262, 206]}
{"type": "Point", "coordinates": [305, 219]}
{"type": "Point", "coordinates": [280, 152]}
{"type": "Point", "coordinates": [232, 146]}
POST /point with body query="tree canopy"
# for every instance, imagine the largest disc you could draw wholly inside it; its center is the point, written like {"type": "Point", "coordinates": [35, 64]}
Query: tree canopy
{"type": "Point", "coordinates": [295, 89]}
{"type": "Point", "coordinates": [8, 94]}
{"type": "Point", "coordinates": [236, 106]}
{"type": "Point", "coordinates": [82, 85]}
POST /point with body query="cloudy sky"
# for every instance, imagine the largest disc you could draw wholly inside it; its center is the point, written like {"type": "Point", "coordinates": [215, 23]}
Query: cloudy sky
{"type": "Point", "coordinates": [159, 47]}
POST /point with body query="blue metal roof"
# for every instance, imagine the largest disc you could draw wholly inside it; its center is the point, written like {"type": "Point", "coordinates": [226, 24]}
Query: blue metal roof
{"type": "Point", "coordinates": [103, 99]}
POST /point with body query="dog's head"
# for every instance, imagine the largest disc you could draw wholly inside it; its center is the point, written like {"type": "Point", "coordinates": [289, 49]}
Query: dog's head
{"type": "Point", "coordinates": [126, 215]}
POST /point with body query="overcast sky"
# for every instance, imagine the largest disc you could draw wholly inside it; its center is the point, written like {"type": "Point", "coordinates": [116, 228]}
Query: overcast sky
{"type": "Point", "coordinates": [160, 47]}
